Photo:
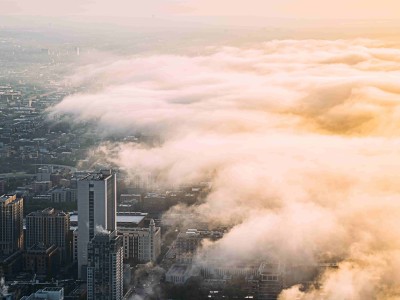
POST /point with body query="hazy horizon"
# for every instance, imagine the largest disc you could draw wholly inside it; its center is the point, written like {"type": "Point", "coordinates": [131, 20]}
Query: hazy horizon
{"type": "Point", "coordinates": [341, 9]}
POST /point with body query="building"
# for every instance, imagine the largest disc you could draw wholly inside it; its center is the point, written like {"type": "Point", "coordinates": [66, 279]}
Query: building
{"type": "Point", "coordinates": [75, 244]}
{"type": "Point", "coordinates": [154, 203]}
{"type": "Point", "coordinates": [49, 227]}
{"type": "Point", "coordinates": [4, 294]}
{"type": "Point", "coordinates": [2, 186]}
{"type": "Point", "coordinates": [44, 173]}
{"type": "Point", "coordinates": [49, 293]}
{"type": "Point", "coordinates": [42, 260]}
{"type": "Point", "coordinates": [271, 282]}
{"type": "Point", "coordinates": [131, 219]}
{"type": "Point", "coordinates": [187, 244]}
{"type": "Point", "coordinates": [105, 267]}
{"type": "Point", "coordinates": [41, 186]}
{"type": "Point", "coordinates": [216, 268]}
{"type": "Point", "coordinates": [55, 178]}
{"type": "Point", "coordinates": [96, 207]}
{"type": "Point", "coordinates": [11, 265]}
{"type": "Point", "coordinates": [11, 224]}
{"type": "Point", "coordinates": [178, 273]}
{"type": "Point", "coordinates": [141, 244]}
{"type": "Point", "coordinates": [63, 195]}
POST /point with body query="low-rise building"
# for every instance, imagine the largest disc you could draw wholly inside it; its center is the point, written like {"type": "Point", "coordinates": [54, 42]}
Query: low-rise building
{"type": "Point", "coordinates": [49, 293]}
{"type": "Point", "coordinates": [63, 195]}
{"type": "Point", "coordinates": [141, 238]}
{"type": "Point", "coordinates": [42, 260]}
{"type": "Point", "coordinates": [178, 273]}
{"type": "Point", "coordinates": [142, 244]}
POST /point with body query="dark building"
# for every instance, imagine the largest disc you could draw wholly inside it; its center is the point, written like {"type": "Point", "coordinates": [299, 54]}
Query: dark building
{"type": "Point", "coordinates": [105, 267]}
{"type": "Point", "coordinates": [42, 260]}
{"type": "Point", "coordinates": [11, 264]}
{"type": "Point", "coordinates": [11, 224]}
{"type": "Point", "coordinates": [2, 186]}
{"type": "Point", "coordinates": [49, 227]}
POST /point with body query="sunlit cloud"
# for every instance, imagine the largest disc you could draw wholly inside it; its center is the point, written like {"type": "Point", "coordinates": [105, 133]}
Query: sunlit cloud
{"type": "Point", "coordinates": [299, 137]}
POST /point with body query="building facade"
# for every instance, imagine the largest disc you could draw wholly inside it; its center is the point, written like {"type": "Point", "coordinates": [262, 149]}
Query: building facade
{"type": "Point", "coordinates": [42, 260]}
{"type": "Point", "coordinates": [11, 224]}
{"type": "Point", "coordinates": [75, 244]}
{"type": "Point", "coordinates": [141, 244]}
{"type": "Point", "coordinates": [105, 267]}
{"type": "Point", "coordinates": [2, 186]}
{"type": "Point", "coordinates": [141, 238]}
{"type": "Point", "coordinates": [272, 280]}
{"type": "Point", "coordinates": [49, 227]}
{"type": "Point", "coordinates": [97, 211]}
{"type": "Point", "coordinates": [63, 195]}
{"type": "Point", "coordinates": [48, 293]}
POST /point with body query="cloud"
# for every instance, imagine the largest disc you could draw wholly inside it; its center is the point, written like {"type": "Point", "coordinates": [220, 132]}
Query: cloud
{"type": "Point", "coordinates": [100, 230]}
{"type": "Point", "coordinates": [299, 137]}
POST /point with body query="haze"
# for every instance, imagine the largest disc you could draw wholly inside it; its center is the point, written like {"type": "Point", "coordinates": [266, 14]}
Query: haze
{"type": "Point", "coordinates": [314, 9]}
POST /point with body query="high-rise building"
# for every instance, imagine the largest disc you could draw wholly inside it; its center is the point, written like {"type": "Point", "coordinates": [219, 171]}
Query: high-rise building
{"type": "Point", "coordinates": [49, 227]}
{"type": "Point", "coordinates": [2, 186]}
{"type": "Point", "coordinates": [11, 224]}
{"type": "Point", "coordinates": [97, 211]}
{"type": "Point", "coordinates": [105, 267]}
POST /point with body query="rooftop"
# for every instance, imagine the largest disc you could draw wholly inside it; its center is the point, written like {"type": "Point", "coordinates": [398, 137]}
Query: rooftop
{"type": "Point", "coordinates": [121, 218]}
{"type": "Point", "coordinates": [48, 211]}
{"type": "Point", "coordinates": [98, 176]}
{"type": "Point", "coordinates": [178, 270]}
{"type": "Point", "coordinates": [53, 289]}
{"type": "Point", "coordinates": [6, 199]}
{"type": "Point", "coordinates": [270, 268]}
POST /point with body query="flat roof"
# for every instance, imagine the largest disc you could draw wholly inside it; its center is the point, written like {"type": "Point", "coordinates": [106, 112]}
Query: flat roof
{"type": "Point", "coordinates": [129, 219]}
{"type": "Point", "coordinates": [95, 177]}
{"type": "Point", "coordinates": [53, 289]}
{"type": "Point", "coordinates": [178, 270]}
{"type": "Point", "coordinates": [136, 219]}
{"type": "Point", "coordinates": [5, 198]}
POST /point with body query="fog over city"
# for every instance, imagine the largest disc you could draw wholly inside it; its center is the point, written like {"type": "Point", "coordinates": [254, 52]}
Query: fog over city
{"type": "Point", "coordinates": [242, 149]}
{"type": "Point", "coordinates": [299, 138]}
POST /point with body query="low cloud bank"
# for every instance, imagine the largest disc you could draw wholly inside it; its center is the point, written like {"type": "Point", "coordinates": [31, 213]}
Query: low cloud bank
{"type": "Point", "coordinates": [300, 138]}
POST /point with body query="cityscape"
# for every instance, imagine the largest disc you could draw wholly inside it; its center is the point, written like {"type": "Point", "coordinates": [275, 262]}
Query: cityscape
{"type": "Point", "coordinates": [178, 150]}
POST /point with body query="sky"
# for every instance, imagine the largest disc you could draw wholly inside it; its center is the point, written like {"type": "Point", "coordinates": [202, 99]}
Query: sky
{"type": "Point", "coordinates": [309, 9]}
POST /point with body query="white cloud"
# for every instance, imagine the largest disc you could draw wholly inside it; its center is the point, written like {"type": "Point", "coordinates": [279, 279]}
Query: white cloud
{"type": "Point", "coordinates": [300, 139]}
